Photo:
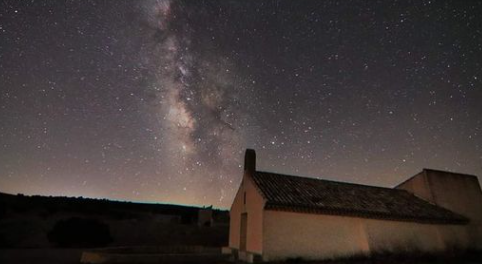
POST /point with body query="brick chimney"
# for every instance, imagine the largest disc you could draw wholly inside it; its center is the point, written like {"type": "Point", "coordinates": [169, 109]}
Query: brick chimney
{"type": "Point", "coordinates": [250, 161]}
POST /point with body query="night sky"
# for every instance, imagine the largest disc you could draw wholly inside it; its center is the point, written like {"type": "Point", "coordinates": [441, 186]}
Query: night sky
{"type": "Point", "coordinates": [157, 100]}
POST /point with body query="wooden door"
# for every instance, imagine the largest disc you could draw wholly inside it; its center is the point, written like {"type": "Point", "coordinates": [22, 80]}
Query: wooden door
{"type": "Point", "coordinates": [244, 232]}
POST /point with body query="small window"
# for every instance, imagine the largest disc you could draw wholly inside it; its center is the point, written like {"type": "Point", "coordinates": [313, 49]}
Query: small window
{"type": "Point", "coordinates": [244, 197]}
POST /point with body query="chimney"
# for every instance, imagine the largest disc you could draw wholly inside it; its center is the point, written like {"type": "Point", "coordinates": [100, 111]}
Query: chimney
{"type": "Point", "coordinates": [250, 161]}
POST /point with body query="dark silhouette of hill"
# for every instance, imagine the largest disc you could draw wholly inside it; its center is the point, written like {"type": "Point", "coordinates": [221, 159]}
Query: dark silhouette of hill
{"type": "Point", "coordinates": [53, 204]}
{"type": "Point", "coordinates": [26, 221]}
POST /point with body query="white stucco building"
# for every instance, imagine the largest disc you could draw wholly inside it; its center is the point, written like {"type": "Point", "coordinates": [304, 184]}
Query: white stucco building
{"type": "Point", "coordinates": [276, 217]}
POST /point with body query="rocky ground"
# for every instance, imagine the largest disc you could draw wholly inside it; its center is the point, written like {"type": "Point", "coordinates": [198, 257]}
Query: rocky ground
{"type": "Point", "coordinates": [40, 256]}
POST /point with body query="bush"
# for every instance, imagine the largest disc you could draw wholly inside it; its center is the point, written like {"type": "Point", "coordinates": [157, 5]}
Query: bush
{"type": "Point", "coordinates": [3, 210]}
{"type": "Point", "coordinates": [80, 232]}
{"type": "Point", "coordinates": [4, 243]}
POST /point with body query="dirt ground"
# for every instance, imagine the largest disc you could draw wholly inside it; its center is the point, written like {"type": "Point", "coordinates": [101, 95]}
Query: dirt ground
{"type": "Point", "coordinates": [71, 256]}
{"type": "Point", "coordinates": [40, 256]}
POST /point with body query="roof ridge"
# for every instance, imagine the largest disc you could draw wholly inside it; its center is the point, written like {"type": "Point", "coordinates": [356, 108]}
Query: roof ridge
{"type": "Point", "coordinates": [333, 181]}
{"type": "Point", "coordinates": [451, 172]}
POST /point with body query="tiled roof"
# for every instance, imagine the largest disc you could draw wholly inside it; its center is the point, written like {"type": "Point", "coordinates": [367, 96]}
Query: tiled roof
{"type": "Point", "coordinates": [300, 194]}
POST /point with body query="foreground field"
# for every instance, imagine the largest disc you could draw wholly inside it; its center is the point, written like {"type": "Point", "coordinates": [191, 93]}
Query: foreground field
{"type": "Point", "coordinates": [40, 256]}
{"type": "Point", "coordinates": [71, 256]}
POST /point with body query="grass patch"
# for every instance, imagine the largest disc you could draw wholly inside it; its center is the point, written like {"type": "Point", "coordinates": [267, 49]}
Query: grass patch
{"type": "Point", "coordinates": [452, 256]}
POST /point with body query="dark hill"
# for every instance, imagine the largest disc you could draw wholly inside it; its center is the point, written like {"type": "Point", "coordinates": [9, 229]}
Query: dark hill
{"type": "Point", "coordinates": [25, 221]}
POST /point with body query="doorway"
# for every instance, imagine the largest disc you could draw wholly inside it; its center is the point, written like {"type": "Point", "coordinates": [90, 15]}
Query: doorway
{"type": "Point", "coordinates": [244, 232]}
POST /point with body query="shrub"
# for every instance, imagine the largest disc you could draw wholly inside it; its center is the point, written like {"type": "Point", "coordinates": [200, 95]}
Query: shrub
{"type": "Point", "coordinates": [3, 210]}
{"type": "Point", "coordinates": [80, 232]}
{"type": "Point", "coordinates": [296, 260]}
{"type": "Point", "coordinates": [4, 243]}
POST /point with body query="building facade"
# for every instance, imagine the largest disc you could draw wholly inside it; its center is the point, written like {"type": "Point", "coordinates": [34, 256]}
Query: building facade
{"type": "Point", "coordinates": [276, 217]}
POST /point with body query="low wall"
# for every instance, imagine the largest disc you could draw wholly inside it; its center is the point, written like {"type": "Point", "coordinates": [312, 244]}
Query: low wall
{"type": "Point", "coordinates": [153, 255]}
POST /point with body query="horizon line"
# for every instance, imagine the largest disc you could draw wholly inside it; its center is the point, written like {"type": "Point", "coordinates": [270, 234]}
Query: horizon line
{"type": "Point", "coordinates": [116, 200]}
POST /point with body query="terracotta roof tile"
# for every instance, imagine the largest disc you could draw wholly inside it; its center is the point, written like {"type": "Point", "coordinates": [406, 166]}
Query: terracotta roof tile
{"type": "Point", "coordinates": [292, 193]}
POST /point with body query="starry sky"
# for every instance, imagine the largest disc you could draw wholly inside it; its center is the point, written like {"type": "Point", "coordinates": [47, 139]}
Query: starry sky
{"type": "Point", "coordinates": [156, 101]}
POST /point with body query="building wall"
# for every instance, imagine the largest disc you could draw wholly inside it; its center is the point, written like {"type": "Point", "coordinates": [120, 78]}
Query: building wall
{"type": "Point", "coordinates": [418, 185]}
{"type": "Point", "coordinates": [459, 193]}
{"type": "Point", "coordinates": [311, 236]}
{"type": "Point", "coordinates": [317, 236]}
{"type": "Point", "coordinates": [254, 208]}
{"type": "Point", "coordinates": [397, 236]}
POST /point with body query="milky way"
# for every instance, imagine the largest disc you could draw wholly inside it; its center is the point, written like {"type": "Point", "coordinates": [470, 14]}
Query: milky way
{"type": "Point", "coordinates": [198, 101]}
{"type": "Point", "coordinates": [157, 100]}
